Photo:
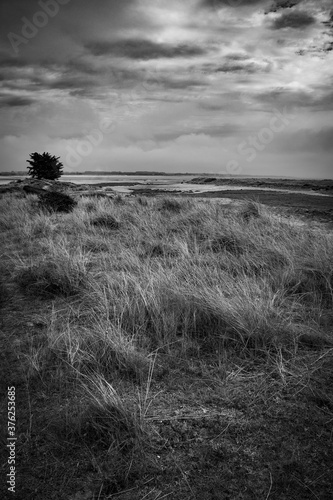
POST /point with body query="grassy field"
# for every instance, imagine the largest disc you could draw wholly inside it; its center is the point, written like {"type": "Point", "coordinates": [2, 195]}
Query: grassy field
{"type": "Point", "coordinates": [166, 348]}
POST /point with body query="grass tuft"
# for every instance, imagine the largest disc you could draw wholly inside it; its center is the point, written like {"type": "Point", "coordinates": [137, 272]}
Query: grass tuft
{"type": "Point", "coordinates": [105, 221]}
{"type": "Point", "coordinates": [250, 209]}
{"type": "Point", "coordinates": [227, 243]}
{"type": "Point", "coordinates": [62, 274]}
{"type": "Point", "coordinates": [170, 205]}
{"type": "Point", "coordinates": [105, 418]}
{"type": "Point", "coordinates": [142, 200]}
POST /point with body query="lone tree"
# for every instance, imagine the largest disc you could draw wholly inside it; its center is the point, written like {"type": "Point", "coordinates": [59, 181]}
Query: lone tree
{"type": "Point", "coordinates": [44, 166]}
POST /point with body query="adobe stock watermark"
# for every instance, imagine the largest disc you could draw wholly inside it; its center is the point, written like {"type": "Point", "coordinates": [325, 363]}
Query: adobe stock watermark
{"type": "Point", "coordinates": [40, 19]}
{"type": "Point", "coordinates": [121, 106]}
{"type": "Point", "coordinates": [86, 146]}
{"type": "Point", "coordinates": [95, 137]}
{"type": "Point", "coordinates": [257, 143]}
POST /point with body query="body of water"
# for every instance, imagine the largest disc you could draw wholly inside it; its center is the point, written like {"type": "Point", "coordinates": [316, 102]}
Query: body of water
{"type": "Point", "coordinates": [176, 183]}
{"type": "Point", "coordinates": [202, 188]}
{"type": "Point", "coordinates": [119, 179]}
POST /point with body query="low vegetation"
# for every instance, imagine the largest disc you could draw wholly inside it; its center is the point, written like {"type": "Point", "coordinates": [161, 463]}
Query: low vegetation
{"type": "Point", "coordinates": [56, 202]}
{"type": "Point", "coordinates": [167, 348]}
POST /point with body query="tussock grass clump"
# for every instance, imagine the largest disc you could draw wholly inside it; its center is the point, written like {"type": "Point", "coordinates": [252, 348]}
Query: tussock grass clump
{"type": "Point", "coordinates": [104, 416]}
{"type": "Point", "coordinates": [228, 243]}
{"type": "Point", "coordinates": [40, 226]}
{"type": "Point", "coordinates": [250, 209]}
{"type": "Point", "coordinates": [49, 279]}
{"type": "Point", "coordinates": [119, 200]}
{"type": "Point", "coordinates": [113, 433]}
{"type": "Point", "coordinates": [142, 200]}
{"type": "Point", "coordinates": [309, 283]}
{"type": "Point", "coordinates": [90, 204]}
{"type": "Point", "coordinates": [160, 249]}
{"type": "Point", "coordinates": [56, 201]}
{"type": "Point", "coordinates": [95, 245]}
{"type": "Point", "coordinates": [170, 205]}
{"type": "Point", "coordinates": [15, 212]}
{"type": "Point", "coordinates": [99, 347]}
{"type": "Point", "coordinates": [106, 221]}
{"type": "Point", "coordinates": [61, 274]}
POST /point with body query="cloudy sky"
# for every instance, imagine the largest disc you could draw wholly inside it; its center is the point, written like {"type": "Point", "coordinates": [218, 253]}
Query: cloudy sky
{"type": "Point", "coordinates": [223, 86]}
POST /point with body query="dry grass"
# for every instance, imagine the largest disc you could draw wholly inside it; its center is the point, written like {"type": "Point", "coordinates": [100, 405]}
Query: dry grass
{"type": "Point", "coordinates": [197, 287]}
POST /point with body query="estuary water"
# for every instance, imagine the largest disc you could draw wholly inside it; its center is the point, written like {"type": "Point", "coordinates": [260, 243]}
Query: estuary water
{"type": "Point", "coordinates": [176, 183]}
{"type": "Point", "coordinates": [119, 179]}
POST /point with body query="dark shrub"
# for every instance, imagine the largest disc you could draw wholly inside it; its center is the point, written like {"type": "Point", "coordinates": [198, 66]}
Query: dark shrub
{"type": "Point", "coordinates": [207, 180]}
{"type": "Point", "coordinates": [56, 201]}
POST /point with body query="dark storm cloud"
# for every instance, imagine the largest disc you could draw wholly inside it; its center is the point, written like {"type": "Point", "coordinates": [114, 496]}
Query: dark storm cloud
{"type": "Point", "coordinates": [216, 4]}
{"type": "Point", "coordinates": [283, 4]}
{"type": "Point", "coordinates": [101, 73]}
{"type": "Point", "coordinates": [296, 20]}
{"type": "Point", "coordinates": [7, 101]}
{"type": "Point", "coordinates": [74, 13]}
{"type": "Point", "coordinates": [71, 82]}
{"type": "Point", "coordinates": [28, 31]}
{"type": "Point", "coordinates": [238, 67]}
{"type": "Point", "coordinates": [82, 77]}
{"type": "Point", "coordinates": [7, 61]}
{"type": "Point", "coordinates": [87, 86]}
{"type": "Point", "coordinates": [233, 63]}
{"type": "Point", "coordinates": [99, 68]}
{"type": "Point", "coordinates": [143, 49]}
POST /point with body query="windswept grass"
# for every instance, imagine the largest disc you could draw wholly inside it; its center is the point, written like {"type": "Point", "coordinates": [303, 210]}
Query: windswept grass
{"type": "Point", "coordinates": [105, 220]}
{"type": "Point", "coordinates": [233, 297]}
{"type": "Point", "coordinates": [58, 272]}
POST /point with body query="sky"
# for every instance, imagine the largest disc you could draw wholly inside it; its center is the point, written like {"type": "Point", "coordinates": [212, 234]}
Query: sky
{"type": "Point", "coordinates": [218, 86]}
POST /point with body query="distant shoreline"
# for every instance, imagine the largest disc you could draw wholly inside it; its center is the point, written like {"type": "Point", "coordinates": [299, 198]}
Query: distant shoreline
{"type": "Point", "coordinates": [143, 173]}
{"type": "Point", "coordinates": [186, 183]}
